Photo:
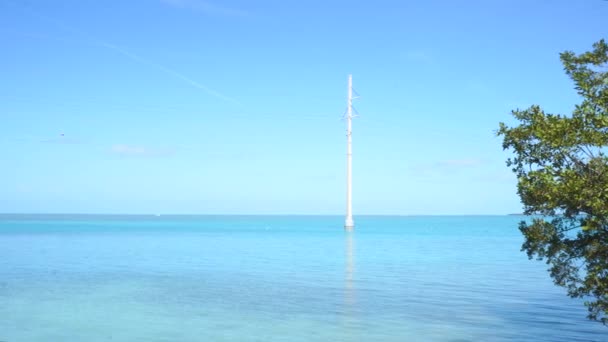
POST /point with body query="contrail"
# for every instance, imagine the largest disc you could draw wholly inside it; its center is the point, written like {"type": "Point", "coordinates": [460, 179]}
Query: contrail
{"type": "Point", "coordinates": [168, 71]}
{"type": "Point", "coordinates": [90, 40]}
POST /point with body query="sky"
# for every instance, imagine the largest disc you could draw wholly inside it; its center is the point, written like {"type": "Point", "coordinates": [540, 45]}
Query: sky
{"type": "Point", "coordinates": [235, 107]}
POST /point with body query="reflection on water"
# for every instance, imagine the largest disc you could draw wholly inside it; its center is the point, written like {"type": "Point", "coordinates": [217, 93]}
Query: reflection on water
{"type": "Point", "coordinates": [349, 272]}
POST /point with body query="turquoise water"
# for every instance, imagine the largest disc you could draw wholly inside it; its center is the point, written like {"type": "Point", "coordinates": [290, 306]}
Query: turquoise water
{"type": "Point", "coordinates": [264, 278]}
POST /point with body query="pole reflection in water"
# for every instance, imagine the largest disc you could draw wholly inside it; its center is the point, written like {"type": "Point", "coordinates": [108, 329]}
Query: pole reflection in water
{"type": "Point", "coordinates": [350, 299]}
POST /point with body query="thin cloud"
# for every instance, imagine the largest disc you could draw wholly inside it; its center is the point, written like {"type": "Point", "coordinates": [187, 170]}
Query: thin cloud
{"type": "Point", "coordinates": [207, 7]}
{"type": "Point", "coordinates": [420, 56]}
{"type": "Point", "coordinates": [447, 167]}
{"type": "Point", "coordinates": [168, 71]}
{"type": "Point", "coordinates": [459, 163]}
{"type": "Point", "coordinates": [88, 39]}
{"type": "Point", "coordinates": [62, 141]}
{"type": "Point", "coordinates": [499, 177]}
{"type": "Point", "coordinates": [141, 151]}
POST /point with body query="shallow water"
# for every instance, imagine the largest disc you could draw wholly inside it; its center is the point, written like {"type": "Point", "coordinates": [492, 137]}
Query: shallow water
{"type": "Point", "coordinates": [282, 278]}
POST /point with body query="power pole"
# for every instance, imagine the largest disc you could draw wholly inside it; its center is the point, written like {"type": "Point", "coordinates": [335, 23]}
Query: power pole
{"type": "Point", "coordinates": [349, 224]}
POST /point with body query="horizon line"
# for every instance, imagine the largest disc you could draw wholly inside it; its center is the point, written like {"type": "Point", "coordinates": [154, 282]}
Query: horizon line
{"type": "Point", "coordinates": [240, 214]}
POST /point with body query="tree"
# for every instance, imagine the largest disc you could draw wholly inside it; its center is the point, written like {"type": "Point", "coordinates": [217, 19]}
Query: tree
{"type": "Point", "coordinates": [562, 171]}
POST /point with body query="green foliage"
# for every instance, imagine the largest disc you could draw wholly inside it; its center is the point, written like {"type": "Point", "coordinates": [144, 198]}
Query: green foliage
{"type": "Point", "coordinates": [562, 170]}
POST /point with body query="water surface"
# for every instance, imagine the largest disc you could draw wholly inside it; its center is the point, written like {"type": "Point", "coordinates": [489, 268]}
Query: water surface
{"type": "Point", "coordinates": [277, 278]}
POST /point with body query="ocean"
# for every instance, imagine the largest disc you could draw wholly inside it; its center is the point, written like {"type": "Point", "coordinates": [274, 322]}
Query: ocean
{"type": "Point", "coordinates": [278, 278]}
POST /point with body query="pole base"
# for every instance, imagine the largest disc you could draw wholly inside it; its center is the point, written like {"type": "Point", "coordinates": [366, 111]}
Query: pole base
{"type": "Point", "coordinates": [349, 224]}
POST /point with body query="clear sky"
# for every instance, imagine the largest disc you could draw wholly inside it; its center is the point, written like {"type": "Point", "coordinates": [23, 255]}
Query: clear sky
{"type": "Point", "coordinates": [234, 107]}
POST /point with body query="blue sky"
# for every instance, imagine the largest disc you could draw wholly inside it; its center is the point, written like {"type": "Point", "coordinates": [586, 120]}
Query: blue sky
{"type": "Point", "coordinates": [226, 107]}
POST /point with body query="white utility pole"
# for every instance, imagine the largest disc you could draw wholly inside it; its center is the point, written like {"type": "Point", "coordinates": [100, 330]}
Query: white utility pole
{"type": "Point", "coordinates": [349, 224]}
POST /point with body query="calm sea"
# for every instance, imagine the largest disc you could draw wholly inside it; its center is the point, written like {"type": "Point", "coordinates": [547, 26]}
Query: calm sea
{"type": "Point", "coordinates": [277, 278]}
